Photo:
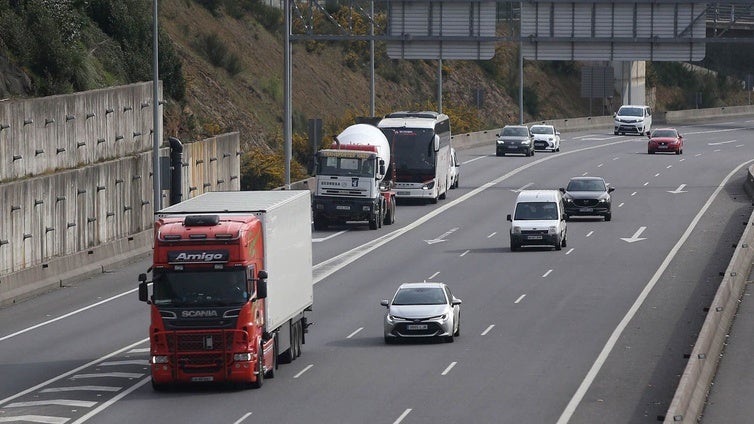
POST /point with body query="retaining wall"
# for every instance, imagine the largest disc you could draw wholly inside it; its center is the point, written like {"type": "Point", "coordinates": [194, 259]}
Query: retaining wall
{"type": "Point", "coordinates": [91, 207]}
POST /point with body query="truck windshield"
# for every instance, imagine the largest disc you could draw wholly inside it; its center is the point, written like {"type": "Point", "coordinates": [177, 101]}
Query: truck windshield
{"type": "Point", "coordinates": [352, 167]}
{"type": "Point", "coordinates": [200, 288]}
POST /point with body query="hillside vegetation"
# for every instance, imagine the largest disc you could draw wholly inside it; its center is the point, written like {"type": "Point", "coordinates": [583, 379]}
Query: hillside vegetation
{"type": "Point", "coordinates": [221, 62]}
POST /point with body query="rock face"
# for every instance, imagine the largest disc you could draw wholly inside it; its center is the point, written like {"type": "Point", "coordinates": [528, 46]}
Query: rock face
{"type": "Point", "coordinates": [13, 80]}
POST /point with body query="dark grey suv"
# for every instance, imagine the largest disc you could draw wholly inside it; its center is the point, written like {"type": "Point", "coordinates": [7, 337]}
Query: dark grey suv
{"type": "Point", "coordinates": [587, 196]}
{"type": "Point", "coordinates": [515, 139]}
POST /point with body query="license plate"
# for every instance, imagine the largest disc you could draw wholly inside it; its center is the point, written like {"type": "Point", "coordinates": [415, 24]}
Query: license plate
{"type": "Point", "coordinates": [662, 147]}
{"type": "Point", "coordinates": [209, 378]}
{"type": "Point", "coordinates": [416, 327]}
{"type": "Point", "coordinates": [404, 193]}
{"type": "Point", "coordinates": [534, 237]}
{"type": "Point", "coordinates": [585, 210]}
{"type": "Point", "coordinates": [343, 208]}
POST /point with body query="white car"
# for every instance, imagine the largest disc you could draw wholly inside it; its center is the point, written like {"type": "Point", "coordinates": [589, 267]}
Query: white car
{"type": "Point", "coordinates": [546, 137]}
{"type": "Point", "coordinates": [455, 169]}
{"type": "Point", "coordinates": [420, 310]}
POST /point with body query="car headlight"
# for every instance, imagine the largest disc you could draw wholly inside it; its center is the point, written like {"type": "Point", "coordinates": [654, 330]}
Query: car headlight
{"type": "Point", "coordinates": [516, 230]}
{"type": "Point", "coordinates": [603, 200]}
{"type": "Point", "coordinates": [500, 141]}
{"type": "Point", "coordinates": [567, 200]}
{"type": "Point", "coordinates": [525, 142]}
{"type": "Point", "coordinates": [552, 230]}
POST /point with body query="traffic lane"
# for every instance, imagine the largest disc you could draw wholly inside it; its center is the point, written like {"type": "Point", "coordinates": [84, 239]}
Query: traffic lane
{"type": "Point", "coordinates": [51, 334]}
{"type": "Point", "coordinates": [639, 378]}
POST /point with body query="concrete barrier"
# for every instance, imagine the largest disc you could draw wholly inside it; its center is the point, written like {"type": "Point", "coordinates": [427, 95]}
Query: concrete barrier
{"type": "Point", "coordinates": [688, 402]}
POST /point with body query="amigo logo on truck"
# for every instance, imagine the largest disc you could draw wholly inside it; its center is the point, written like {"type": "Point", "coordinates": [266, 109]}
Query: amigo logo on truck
{"type": "Point", "coordinates": [198, 256]}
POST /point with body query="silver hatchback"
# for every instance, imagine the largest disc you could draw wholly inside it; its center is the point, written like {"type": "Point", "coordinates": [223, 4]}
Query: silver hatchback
{"type": "Point", "coordinates": [425, 309]}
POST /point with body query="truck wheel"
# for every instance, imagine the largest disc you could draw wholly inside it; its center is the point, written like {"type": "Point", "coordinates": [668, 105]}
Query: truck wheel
{"type": "Point", "coordinates": [390, 214]}
{"type": "Point", "coordinates": [320, 223]}
{"type": "Point", "coordinates": [372, 223]}
{"type": "Point", "coordinates": [157, 387]}
{"type": "Point", "coordinates": [433, 200]}
{"type": "Point", "coordinates": [299, 336]}
{"type": "Point", "coordinates": [260, 368]}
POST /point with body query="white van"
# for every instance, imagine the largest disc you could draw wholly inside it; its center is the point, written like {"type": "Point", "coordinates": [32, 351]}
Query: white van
{"type": "Point", "coordinates": [538, 219]}
{"type": "Point", "coordinates": [633, 119]}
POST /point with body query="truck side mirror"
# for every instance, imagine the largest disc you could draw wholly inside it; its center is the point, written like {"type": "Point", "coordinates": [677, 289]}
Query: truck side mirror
{"type": "Point", "coordinates": [382, 167]}
{"type": "Point", "coordinates": [437, 143]}
{"type": "Point", "coordinates": [143, 289]}
{"type": "Point", "coordinates": [261, 284]}
{"type": "Point", "coordinates": [508, 218]}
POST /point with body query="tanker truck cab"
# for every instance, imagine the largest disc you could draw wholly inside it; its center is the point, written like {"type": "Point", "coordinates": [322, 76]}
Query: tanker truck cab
{"type": "Point", "coordinates": [351, 183]}
{"type": "Point", "coordinates": [538, 219]}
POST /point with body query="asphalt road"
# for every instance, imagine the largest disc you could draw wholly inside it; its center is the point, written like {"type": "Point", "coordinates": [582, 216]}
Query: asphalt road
{"type": "Point", "coordinates": [594, 333]}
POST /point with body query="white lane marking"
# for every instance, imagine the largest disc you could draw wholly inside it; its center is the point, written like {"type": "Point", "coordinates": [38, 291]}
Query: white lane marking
{"type": "Point", "coordinates": [716, 131]}
{"type": "Point", "coordinates": [621, 204]}
{"type": "Point", "coordinates": [613, 340]}
{"type": "Point", "coordinates": [321, 239]}
{"type": "Point", "coordinates": [589, 234]}
{"type": "Point", "coordinates": [434, 275]}
{"type": "Point", "coordinates": [546, 273]}
{"type": "Point", "coordinates": [681, 160]}
{"type": "Point", "coordinates": [450, 367]}
{"type": "Point", "coordinates": [403, 415]}
{"type": "Point", "coordinates": [108, 375]}
{"type": "Point", "coordinates": [41, 324]}
{"type": "Point", "coordinates": [355, 332]}
{"type": "Point", "coordinates": [697, 155]}
{"type": "Point", "coordinates": [328, 267]}
{"type": "Point", "coordinates": [646, 184]}
{"type": "Point", "coordinates": [492, 235]}
{"type": "Point", "coordinates": [74, 371]}
{"type": "Point", "coordinates": [472, 160]}
{"type": "Point", "coordinates": [60, 402]}
{"type": "Point", "coordinates": [636, 235]}
{"type": "Point", "coordinates": [244, 417]}
{"type": "Point", "coordinates": [717, 150]}
{"type": "Point", "coordinates": [633, 194]}
{"type": "Point", "coordinates": [307, 368]}
{"type": "Point", "coordinates": [42, 419]}
{"type": "Point", "coordinates": [616, 158]}
{"type": "Point", "coordinates": [118, 397]}
{"type": "Point", "coordinates": [487, 330]}
{"type": "Point", "coordinates": [669, 166]}
{"type": "Point", "coordinates": [522, 188]}
{"type": "Point", "coordinates": [720, 143]}
{"type": "Point", "coordinates": [679, 189]}
{"type": "Point", "coordinates": [464, 253]}
{"type": "Point", "coordinates": [569, 251]}
{"type": "Point", "coordinates": [442, 237]}
{"type": "Point", "coordinates": [125, 362]}
{"type": "Point", "coordinates": [140, 350]}
{"type": "Point", "coordinates": [657, 174]}
{"type": "Point", "coordinates": [82, 388]}
{"type": "Point", "coordinates": [520, 298]}
{"type": "Point", "coordinates": [600, 165]}
{"type": "Point", "coordinates": [739, 145]}
{"type": "Point", "coordinates": [584, 174]}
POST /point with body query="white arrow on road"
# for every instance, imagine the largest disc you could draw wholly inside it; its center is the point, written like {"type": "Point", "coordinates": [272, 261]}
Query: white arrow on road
{"type": "Point", "coordinates": [636, 235]}
{"type": "Point", "coordinates": [680, 189]}
{"type": "Point", "coordinates": [442, 237]}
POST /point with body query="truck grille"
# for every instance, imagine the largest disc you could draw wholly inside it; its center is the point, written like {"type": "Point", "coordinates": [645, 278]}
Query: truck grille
{"type": "Point", "coordinates": [201, 351]}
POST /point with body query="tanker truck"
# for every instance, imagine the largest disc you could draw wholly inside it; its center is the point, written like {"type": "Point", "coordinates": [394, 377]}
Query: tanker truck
{"type": "Point", "coordinates": [351, 181]}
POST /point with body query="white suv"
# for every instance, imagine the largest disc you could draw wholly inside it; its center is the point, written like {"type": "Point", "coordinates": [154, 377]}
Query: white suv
{"type": "Point", "coordinates": [633, 119]}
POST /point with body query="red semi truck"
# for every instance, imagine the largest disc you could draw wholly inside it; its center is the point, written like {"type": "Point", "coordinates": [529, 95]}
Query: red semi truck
{"type": "Point", "coordinates": [231, 282]}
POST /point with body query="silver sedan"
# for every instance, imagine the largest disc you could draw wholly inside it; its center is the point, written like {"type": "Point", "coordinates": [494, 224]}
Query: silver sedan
{"type": "Point", "coordinates": [425, 309]}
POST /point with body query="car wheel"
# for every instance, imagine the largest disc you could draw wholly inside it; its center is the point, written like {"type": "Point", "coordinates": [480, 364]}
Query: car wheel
{"type": "Point", "coordinates": [458, 327]}
{"type": "Point", "coordinates": [389, 340]}
{"type": "Point", "coordinates": [498, 154]}
{"type": "Point", "coordinates": [564, 243]}
{"type": "Point", "coordinates": [449, 339]}
{"type": "Point", "coordinates": [650, 152]}
{"type": "Point", "coordinates": [615, 132]}
{"type": "Point", "coordinates": [608, 216]}
{"type": "Point", "coordinates": [678, 152]}
{"type": "Point", "coordinates": [514, 246]}
{"type": "Point", "coordinates": [320, 223]}
{"type": "Point", "coordinates": [558, 244]}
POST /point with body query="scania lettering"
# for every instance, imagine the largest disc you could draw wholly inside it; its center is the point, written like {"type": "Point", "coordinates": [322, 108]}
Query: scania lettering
{"type": "Point", "coordinates": [352, 182]}
{"type": "Point", "coordinates": [231, 284]}
{"type": "Point", "coordinates": [420, 142]}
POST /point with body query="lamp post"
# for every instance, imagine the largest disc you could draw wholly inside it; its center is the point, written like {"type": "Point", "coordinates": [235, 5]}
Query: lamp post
{"type": "Point", "coordinates": [156, 128]}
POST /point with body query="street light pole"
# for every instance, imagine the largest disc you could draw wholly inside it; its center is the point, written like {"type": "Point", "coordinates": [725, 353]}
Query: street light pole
{"type": "Point", "coordinates": [156, 127]}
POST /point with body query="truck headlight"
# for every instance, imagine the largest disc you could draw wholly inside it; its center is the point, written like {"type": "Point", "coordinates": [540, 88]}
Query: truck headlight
{"type": "Point", "coordinates": [242, 357]}
{"type": "Point", "coordinates": [516, 230]}
{"type": "Point", "coordinates": [159, 359]}
{"type": "Point", "coordinates": [552, 230]}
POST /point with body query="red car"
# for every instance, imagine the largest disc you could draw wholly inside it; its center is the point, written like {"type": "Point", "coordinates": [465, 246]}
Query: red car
{"type": "Point", "coordinates": [665, 140]}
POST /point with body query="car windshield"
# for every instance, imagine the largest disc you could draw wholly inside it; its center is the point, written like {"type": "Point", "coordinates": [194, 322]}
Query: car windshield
{"type": "Point", "coordinates": [536, 211]}
{"type": "Point", "coordinates": [586, 185]}
{"type": "Point", "coordinates": [542, 130]}
{"type": "Point", "coordinates": [663, 133]}
{"type": "Point", "coordinates": [631, 111]}
{"type": "Point", "coordinates": [420, 296]}
{"type": "Point", "coordinates": [515, 131]}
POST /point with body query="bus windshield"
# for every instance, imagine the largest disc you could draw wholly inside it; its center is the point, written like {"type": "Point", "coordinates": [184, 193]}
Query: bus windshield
{"type": "Point", "coordinates": [413, 150]}
{"type": "Point", "coordinates": [200, 288]}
